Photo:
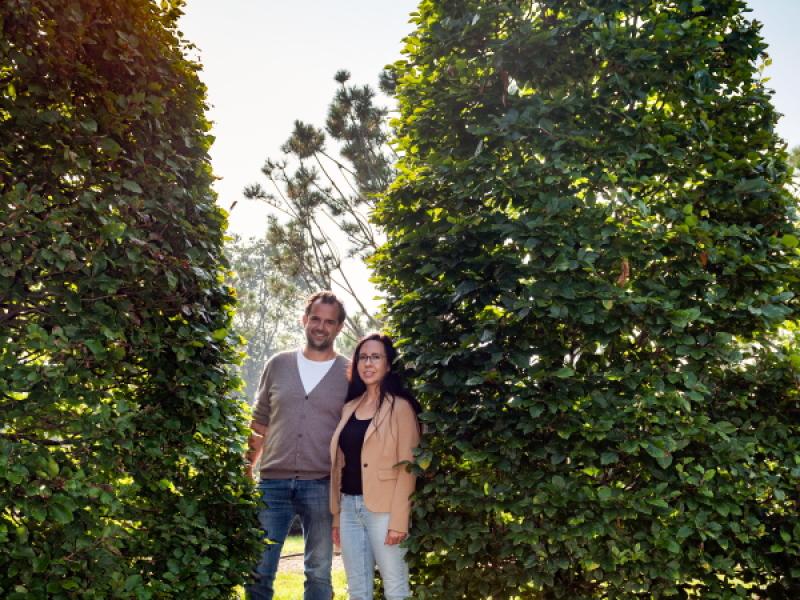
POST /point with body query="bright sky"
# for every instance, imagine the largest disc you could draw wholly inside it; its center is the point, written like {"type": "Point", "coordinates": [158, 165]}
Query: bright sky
{"type": "Point", "coordinates": [269, 62]}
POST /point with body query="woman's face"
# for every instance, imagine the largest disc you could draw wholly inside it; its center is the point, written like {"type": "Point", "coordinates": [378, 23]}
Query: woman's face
{"type": "Point", "coordinates": [372, 363]}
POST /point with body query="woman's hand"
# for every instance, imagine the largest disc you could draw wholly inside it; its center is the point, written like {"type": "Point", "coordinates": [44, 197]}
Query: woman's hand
{"type": "Point", "coordinates": [337, 540]}
{"type": "Point", "coordinates": [394, 537]}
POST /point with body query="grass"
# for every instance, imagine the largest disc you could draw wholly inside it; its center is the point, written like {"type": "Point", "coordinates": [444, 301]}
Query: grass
{"type": "Point", "coordinates": [292, 545]}
{"type": "Point", "coordinates": [289, 586]}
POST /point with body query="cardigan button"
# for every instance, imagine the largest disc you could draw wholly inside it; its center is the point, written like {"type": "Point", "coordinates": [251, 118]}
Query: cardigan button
{"type": "Point", "coordinates": [365, 464]}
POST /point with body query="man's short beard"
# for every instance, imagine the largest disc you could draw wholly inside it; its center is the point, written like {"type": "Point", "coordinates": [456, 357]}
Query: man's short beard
{"type": "Point", "coordinates": [319, 347]}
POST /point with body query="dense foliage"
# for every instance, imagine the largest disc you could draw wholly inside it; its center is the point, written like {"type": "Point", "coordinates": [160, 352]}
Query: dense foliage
{"type": "Point", "coordinates": [120, 438]}
{"type": "Point", "coordinates": [591, 265]}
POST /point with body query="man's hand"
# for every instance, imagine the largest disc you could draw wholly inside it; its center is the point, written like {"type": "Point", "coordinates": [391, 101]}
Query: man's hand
{"type": "Point", "coordinates": [249, 469]}
{"type": "Point", "coordinates": [394, 537]}
{"type": "Point", "coordinates": [336, 537]}
{"type": "Point", "coordinates": [255, 443]}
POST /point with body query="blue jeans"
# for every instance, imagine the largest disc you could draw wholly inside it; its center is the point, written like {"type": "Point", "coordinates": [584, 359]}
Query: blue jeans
{"type": "Point", "coordinates": [283, 499]}
{"type": "Point", "coordinates": [363, 534]}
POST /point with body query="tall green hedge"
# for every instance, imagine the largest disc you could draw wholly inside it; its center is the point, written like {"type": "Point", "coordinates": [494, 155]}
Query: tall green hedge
{"type": "Point", "coordinates": [592, 267]}
{"type": "Point", "coordinates": [120, 435]}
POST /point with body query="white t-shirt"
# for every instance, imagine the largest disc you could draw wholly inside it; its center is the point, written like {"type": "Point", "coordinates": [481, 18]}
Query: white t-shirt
{"type": "Point", "coordinates": [312, 371]}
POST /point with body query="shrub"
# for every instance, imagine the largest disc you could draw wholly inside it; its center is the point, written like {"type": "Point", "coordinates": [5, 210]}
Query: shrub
{"type": "Point", "coordinates": [121, 436]}
{"type": "Point", "coordinates": [591, 267]}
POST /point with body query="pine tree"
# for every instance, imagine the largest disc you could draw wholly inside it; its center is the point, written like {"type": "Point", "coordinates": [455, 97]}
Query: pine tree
{"type": "Point", "coordinates": [322, 195]}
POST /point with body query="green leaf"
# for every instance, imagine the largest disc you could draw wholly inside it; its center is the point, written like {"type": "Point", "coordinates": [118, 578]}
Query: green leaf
{"type": "Point", "coordinates": [110, 146]}
{"type": "Point", "coordinates": [219, 334]}
{"type": "Point", "coordinates": [37, 512]}
{"type": "Point", "coordinates": [61, 509]}
{"type": "Point", "coordinates": [89, 125]}
{"type": "Point", "coordinates": [750, 186]}
{"type": "Point", "coordinates": [604, 493]}
{"type": "Point", "coordinates": [132, 186]}
{"type": "Point", "coordinates": [97, 348]}
{"type": "Point", "coordinates": [608, 458]}
{"type": "Point", "coordinates": [464, 288]}
{"type": "Point", "coordinates": [659, 502]}
{"type": "Point", "coordinates": [53, 587]}
{"type": "Point", "coordinates": [424, 459]}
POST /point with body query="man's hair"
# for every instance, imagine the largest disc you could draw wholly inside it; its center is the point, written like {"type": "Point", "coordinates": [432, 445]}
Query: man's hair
{"type": "Point", "coordinates": [326, 297]}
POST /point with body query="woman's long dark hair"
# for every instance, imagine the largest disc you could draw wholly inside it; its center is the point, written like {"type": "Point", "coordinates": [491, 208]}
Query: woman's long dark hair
{"type": "Point", "coordinates": [392, 384]}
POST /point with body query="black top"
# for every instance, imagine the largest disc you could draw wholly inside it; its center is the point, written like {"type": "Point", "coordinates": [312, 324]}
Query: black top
{"type": "Point", "coordinates": [350, 441]}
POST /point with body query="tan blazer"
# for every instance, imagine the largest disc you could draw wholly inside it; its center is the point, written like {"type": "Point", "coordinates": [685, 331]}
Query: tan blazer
{"type": "Point", "coordinates": [390, 438]}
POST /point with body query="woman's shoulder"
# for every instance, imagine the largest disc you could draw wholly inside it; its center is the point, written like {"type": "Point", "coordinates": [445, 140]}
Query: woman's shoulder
{"type": "Point", "coordinates": [351, 403]}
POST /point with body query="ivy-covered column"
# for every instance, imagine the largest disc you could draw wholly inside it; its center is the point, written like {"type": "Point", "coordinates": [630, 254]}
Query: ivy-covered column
{"type": "Point", "coordinates": [591, 267]}
{"type": "Point", "coordinates": [120, 436]}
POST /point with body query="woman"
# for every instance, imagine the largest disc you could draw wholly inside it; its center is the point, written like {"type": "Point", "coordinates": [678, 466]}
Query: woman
{"type": "Point", "coordinates": [370, 489]}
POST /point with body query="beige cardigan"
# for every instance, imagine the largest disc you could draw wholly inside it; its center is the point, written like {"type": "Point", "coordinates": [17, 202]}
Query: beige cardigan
{"type": "Point", "coordinates": [390, 438]}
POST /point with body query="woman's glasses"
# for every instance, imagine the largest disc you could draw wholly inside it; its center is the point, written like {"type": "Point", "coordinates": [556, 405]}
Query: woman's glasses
{"type": "Point", "coordinates": [370, 358]}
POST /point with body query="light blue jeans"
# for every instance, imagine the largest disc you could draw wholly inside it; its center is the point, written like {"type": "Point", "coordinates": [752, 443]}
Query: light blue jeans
{"type": "Point", "coordinates": [283, 499]}
{"type": "Point", "coordinates": [363, 534]}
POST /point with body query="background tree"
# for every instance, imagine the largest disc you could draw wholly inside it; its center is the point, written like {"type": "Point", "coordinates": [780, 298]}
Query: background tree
{"type": "Point", "coordinates": [322, 196]}
{"type": "Point", "coordinates": [794, 157]}
{"type": "Point", "coordinates": [267, 308]}
{"type": "Point", "coordinates": [120, 441]}
{"type": "Point", "coordinates": [794, 162]}
{"type": "Point", "coordinates": [592, 268]}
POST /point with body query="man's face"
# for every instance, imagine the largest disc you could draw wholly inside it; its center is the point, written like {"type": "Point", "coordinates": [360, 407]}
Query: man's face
{"type": "Point", "coordinates": [322, 325]}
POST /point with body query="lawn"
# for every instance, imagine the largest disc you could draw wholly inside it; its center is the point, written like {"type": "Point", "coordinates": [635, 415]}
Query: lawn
{"type": "Point", "coordinates": [292, 545]}
{"type": "Point", "coordinates": [289, 586]}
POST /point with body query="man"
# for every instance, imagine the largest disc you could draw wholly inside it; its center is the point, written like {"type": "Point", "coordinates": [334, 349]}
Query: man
{"type": "Point", "coordinates": [298, 405]}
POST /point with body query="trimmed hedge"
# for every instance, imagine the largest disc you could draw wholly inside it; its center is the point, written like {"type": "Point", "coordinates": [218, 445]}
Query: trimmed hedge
{"type": "Point", "coordinates": [120, 436]}
{"type": "Point", "coordinates": [592, 267]}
